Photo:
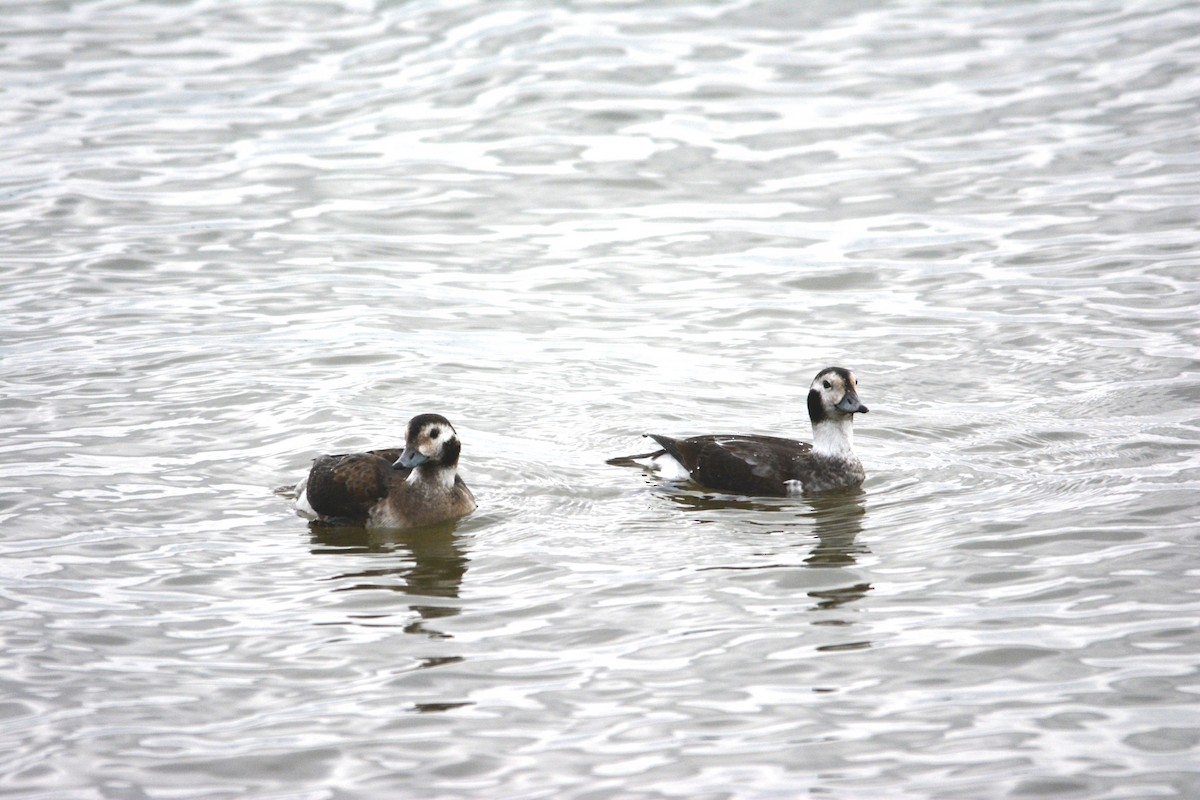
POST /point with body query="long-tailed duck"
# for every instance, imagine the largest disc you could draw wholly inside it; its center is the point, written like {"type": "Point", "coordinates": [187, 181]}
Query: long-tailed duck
{"type": "Point", "coordinates": [392, 488]}
{"type": "Point", "coordinates": [772, 465]}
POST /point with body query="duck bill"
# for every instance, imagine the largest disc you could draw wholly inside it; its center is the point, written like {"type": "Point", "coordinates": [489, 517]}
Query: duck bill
{"type": "Point", "coordinates": [410, 458]}
{"type": "Point", "coordinates": [850, 404]}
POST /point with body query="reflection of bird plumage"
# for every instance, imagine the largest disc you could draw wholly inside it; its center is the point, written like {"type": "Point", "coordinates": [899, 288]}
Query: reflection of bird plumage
{"type": "Point", "coordinates": [772, 465]}
{"type": "Point", "coordinates": [404, 487]}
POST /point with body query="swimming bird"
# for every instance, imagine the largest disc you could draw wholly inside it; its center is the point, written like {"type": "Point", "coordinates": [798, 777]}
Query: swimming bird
{"type": "Point", "coordinates": [772, 465]}
{"type": "Point", "coordinates": [404, 487]}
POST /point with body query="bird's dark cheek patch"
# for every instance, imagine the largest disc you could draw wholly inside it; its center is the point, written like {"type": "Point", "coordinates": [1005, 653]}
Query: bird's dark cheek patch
{"type": "Point", "coordinates": [816, 409]}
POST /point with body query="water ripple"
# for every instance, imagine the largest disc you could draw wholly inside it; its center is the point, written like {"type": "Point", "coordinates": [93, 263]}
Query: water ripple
{"type": "Point", "coordinates": [238, 236]}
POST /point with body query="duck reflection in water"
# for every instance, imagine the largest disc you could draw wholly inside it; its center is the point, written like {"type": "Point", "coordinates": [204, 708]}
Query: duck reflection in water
{"type": "Point", "coordinates": [836, 520]}
{"type": "Point", "coordinates": [428, 564]}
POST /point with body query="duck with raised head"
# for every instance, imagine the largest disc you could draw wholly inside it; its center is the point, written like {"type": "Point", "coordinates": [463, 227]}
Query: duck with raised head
{"type": "Point", "coordinates": [753, 465]}
{"type": "Point", "coordinates": [404, 487]}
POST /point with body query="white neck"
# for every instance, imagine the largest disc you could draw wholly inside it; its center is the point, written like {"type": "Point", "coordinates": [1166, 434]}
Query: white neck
{"type": "Point", "coordinates": [436, 475]}
{"type": "Point", "coordinates": [834, 437]}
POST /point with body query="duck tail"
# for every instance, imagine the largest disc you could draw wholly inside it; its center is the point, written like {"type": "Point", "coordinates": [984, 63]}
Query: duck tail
{"type": "Point", "coordinates": [634, 460]}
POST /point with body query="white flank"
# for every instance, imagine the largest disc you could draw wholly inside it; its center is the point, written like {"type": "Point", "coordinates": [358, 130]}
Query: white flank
{"type": "Point", "coordinates": [302, 504]}
{"type": "Point", "coordinates": [669, 468]}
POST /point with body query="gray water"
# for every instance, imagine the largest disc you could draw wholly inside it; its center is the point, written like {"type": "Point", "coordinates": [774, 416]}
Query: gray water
{"type": "Point", "coordinates": [236, 235]}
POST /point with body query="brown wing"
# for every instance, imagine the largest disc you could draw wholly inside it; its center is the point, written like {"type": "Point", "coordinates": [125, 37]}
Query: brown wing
{"type": "Point", "coordinates": [740, 464]}
{"type": "Point", "coordinates": [349, 485]}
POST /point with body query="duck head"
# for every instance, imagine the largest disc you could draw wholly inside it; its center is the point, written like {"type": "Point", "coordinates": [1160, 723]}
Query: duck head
{"type": "Point", "coordinates": [833, 396]}
{"type": "Point", "coordinates": [429, 439]}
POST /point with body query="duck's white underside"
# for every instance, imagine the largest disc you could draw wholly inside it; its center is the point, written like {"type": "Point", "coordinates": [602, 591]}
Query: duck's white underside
{"type": "Point", "coordinates": [666, 466]}
{"type": "Point", "coordinates": [301, 503]}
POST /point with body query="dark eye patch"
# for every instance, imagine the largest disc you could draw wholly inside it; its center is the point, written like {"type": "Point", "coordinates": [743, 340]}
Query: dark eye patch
{"type": "Point", "coordinates": [435, 432]}
{"type": "Point", "coordinates": [825, 384]}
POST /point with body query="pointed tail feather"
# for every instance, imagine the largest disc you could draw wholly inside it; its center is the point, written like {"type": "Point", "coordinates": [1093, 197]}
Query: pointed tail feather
{"type": "Point", "coordinates": [633, 461]}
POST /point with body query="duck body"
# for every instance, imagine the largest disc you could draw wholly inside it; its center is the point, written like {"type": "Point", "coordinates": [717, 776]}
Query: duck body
{"type": "Point", "coordinates": [768, 466]}
{"type": "Point", "coordinates": [397, 487]}
{"type": "Point", "coordinates": [772, 466]}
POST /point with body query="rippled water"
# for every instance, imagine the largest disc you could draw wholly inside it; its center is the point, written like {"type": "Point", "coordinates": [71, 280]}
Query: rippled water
{"type": "Point", "coordinates": [235, 235]}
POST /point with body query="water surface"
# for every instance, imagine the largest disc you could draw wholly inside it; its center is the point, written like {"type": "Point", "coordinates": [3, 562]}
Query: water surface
{"type": "Point", "coordinates": [237, 235]}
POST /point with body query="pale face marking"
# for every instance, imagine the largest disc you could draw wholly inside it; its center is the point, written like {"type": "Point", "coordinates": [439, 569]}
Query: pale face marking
{"type": "Point", "coordinates": [431, 440]}
{"type": "Point", "coordinates": [832, 388]}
